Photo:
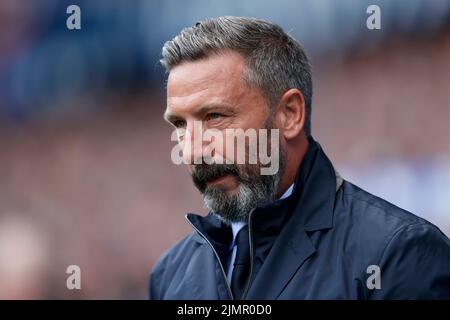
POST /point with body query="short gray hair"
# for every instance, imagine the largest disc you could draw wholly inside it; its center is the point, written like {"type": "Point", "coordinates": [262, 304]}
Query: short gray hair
{"type": "Point", "coordinates": [275, 62]}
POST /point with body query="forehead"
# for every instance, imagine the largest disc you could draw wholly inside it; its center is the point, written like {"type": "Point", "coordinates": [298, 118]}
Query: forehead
{"type": "Point", "coordinates": [215, 79]}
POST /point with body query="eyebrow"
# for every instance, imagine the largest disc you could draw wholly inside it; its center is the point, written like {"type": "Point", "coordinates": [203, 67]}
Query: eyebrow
{"type": "Point", "coordinates": [170, 117]}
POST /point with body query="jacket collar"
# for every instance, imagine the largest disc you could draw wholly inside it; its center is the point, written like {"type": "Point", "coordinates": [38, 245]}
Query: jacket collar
{"type": "Point", "coordinates": [284, 224]}
{"type": "Point", "coordinates": [313, 204]}
{"type": "Point", "coordinates": [310, 204]}
{"type": "Point", "coordinates": [318, 184]}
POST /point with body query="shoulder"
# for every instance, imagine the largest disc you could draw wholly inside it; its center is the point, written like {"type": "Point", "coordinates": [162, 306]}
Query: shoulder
{"type": "Point", "coordinates": [375, 217]}
{"type": "Point", "coordinates": [374, 207]}
{"type": "Point", "coordinates": [411, 252]}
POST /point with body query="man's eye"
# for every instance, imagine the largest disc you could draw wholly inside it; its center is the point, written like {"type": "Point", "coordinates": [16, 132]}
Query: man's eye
{"type": "Point", "coordinates": [212, 116]}
{"type": "Point", "coordinates": [179, 123]}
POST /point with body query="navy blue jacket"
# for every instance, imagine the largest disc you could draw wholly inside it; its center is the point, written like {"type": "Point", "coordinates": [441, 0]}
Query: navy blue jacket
{"type": "Point", "coordinates": [328, 240]}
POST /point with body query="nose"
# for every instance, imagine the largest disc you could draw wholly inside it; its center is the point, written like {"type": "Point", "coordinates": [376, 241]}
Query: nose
{"type": "Point", "coordinates": [192, 143]}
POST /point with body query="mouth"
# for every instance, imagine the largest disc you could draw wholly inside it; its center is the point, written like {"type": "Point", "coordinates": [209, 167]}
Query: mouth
{"type": "Point", "coordinates": [219, 180]}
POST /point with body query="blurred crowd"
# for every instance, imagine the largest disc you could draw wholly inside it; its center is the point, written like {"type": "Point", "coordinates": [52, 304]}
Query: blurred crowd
{"type": "Point", "coordinates": [85, 171]}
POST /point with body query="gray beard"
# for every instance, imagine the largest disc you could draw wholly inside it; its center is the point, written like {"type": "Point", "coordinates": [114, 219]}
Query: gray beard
{"type": "Point", "coordinates": [256, 191]}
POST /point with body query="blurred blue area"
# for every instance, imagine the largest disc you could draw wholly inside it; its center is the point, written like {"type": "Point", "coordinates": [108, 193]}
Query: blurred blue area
{"type": "Point", "coordinates": [119, 44]}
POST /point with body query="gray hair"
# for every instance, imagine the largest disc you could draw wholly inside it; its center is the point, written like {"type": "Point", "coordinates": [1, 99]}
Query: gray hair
{"type": "Point", "coordinates": [275, 62]}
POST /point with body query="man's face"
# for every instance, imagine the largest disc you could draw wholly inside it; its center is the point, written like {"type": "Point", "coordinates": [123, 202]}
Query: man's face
{"type": "Point", "coordinates": [211, 92]}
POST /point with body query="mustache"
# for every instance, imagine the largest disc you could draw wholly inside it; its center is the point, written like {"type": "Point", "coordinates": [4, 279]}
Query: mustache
{"type": "Point", "coordinates": [202, 173]}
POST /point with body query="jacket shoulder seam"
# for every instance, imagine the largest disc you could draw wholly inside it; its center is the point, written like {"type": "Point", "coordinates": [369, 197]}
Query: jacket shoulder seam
{"type": "Point", "coordinates": [396, 232]}
{"type": "Point", "coordinates": [387, 210]}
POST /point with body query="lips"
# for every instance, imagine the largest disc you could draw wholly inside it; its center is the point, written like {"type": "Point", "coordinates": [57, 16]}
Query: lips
{"type": "Point", "coordinates": [218, 179]}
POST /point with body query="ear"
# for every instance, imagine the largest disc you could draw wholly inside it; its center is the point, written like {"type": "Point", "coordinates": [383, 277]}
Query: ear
{"type": "Point", "coordinates": [291, 113]}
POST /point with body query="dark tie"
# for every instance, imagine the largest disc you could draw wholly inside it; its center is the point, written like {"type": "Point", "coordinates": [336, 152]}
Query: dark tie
{"type": "Point", "coordinates": [241, 264]}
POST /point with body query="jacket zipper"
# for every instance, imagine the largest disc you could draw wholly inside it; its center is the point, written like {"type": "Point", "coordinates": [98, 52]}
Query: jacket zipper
{"type": "Point", "coordinates": [250, 239]}
{"type": "Point", "coordinates": [217, 257]}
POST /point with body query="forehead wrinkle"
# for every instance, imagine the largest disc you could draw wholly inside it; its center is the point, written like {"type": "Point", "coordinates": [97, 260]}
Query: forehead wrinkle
{"type": "Point", "coordinates": [218, 67]}
{"type": "Point", "coordinates": [214, 80]}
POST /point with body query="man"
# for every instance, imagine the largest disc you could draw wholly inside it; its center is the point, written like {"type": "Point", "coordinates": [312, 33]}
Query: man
{"type": "Point", "coordinates": [302, 232]}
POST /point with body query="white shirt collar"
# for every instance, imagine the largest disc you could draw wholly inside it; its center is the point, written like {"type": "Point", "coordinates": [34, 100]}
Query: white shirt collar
{"type": "Point", "coordinates": [288, 192]}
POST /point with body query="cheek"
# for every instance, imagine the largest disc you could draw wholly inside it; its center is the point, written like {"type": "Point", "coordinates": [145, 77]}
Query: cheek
{"type": "Point", "coordinates": [252, 119]}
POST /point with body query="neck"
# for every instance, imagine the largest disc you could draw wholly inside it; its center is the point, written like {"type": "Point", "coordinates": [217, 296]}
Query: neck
{"type": "Point", "coordinates": [295, 151]}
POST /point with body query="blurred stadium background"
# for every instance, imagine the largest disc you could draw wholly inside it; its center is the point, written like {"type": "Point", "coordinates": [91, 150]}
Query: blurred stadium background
{"type": "Point", "coordinates": [85, 170]}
